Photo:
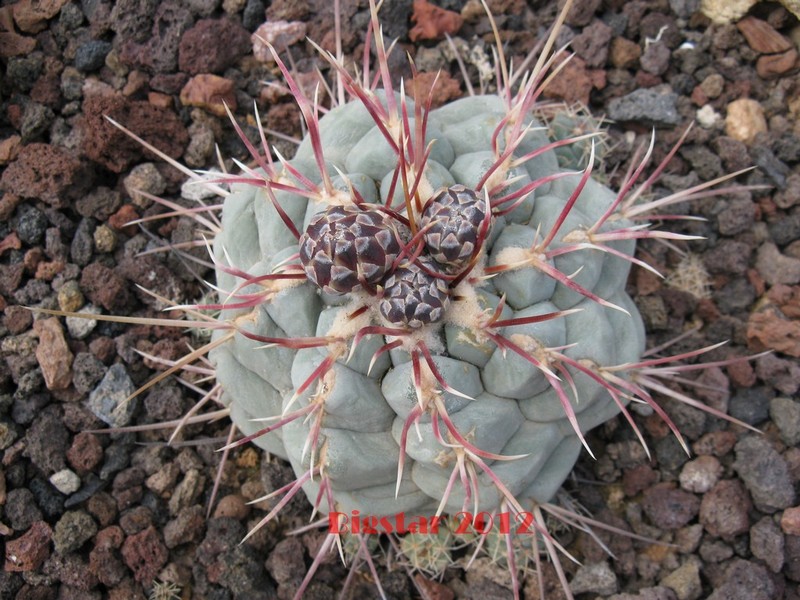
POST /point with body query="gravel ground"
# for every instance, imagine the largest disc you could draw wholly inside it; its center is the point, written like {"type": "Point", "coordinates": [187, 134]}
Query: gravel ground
{"type": "Point", "coordinates": [93, 515]}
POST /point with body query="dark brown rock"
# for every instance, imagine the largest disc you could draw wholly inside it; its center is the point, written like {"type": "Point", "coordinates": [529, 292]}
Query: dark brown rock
{"type": "Point", "coordinates": [47, 173]}
{"type": "Point", "coordinates": [669, 508]}
{"type": "Point", "coordinates": [104, 287]}
{"type": "Point", "coordinates": [159, 54]}
{"type": "Point", "coordinates": [723, 511]}
{"type": "Point", "coordinates": [85, 453]}
{"type": "Point", "coordinates": [110, 147]}
{"type": "Point", "coordinates": [145, 554]}
{"type": "Point", "coordinates": [212, 45]}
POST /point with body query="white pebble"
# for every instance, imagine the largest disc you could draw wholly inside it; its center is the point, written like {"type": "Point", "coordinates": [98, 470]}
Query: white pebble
{"type": "Point", "coordinates": [66, 482]}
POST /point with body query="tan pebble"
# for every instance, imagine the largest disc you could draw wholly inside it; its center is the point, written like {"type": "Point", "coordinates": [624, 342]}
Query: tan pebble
{"type": "Point", "coordinates": [232, 506]}
{"type": "Point", "coordinates": [53, 354]}
{"type": "Point", "coordinates": [790, 521]}
{"type": "Point", "coordinates": [745, 120]}
{"type": "Point", "coordinates": [209, 92]}
{"type": "Point", "coordinates": [105, 240]}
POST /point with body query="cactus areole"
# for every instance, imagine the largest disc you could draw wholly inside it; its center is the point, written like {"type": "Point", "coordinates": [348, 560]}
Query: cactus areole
{"type": "Point", "coordinates": [432, 314]}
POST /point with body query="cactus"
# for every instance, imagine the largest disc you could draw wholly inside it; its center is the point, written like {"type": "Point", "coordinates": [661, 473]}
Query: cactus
{"type": "Point", "coordinates": [424, 312]}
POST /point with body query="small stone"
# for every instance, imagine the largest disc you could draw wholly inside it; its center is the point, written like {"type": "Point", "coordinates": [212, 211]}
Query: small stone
{"type": "Point", "coordinates": [145, 554]}
{"type": "Point", "coordinates": [701, 474]}
{"type": "Point", "coordinates": [762, 37]}
{"type": "Point", "coordinates": [785, 413]}
{"type": "Point", "coordinates": [85, 453]}
{"type": "Point", "coordinates": [646, 105]}
{"type": "Point", "coordinates": [669, 508]}
{"type": "Point", "coordinates": [745, 120]}
{"type": "Point", "coordinates": [65, 481]}
{"type": "Point", "coordinates": [656, 58]}
{"type": "Point", "coordinates": [765, 473]}
{"type": "Point", "coordinates": [232, 506]}
{"type": "Point", "coordinates": [766, 543]}
{"type": "Point", "coordinates": [105, 240]}
{"type": "Point", "coordinates": [187, 527]}
{"type": "Point", "coordinates": [80, 327]}
{"type": "Point", "coordinates": [73, 530]}
{"type": "Point", "coordinates": [209, 92]}
{"type": "Point", "coordinates": [745, 581]}
{"type": "Point", "coordinates": [726, 11]}
{"type": "Point", "coordinates": [770, 329]}
{"type": "Point", "coordinates": [707, 117]}
{"type": "Point", "coordinates": [713, 85]}
{"type": "Point", "coordinates": [623, 53]}
{"type": "Point", "coordinates": [46, 172]}
{"type": "Point", "coordinates": [685, 581]}
{"type": "Point", "coordinates": [104, 287]}
{"type": "Point", "coordinates": [790, 521]}
{"type": "Point", "coordinates": [91, 56]}
{"type": "Point", "coordinates": [432, 22]}
{"type": "Point", "coordinates": [196, 189]}
{"type": "Point", "coordinates": [29, 551]}
{"type": "Point", "coordinates": [69, 296]}
{"type": "Point", "coordinates": [280, 34]}
{"type": "Point", "coordinates": [144, 178]}
{"type": "Point", "coordinates": [592, 44]}
{"type": "Point", "coordinates": [31, 16]}
{"type": "Point", "coordinates": [53, 354]}
{"type": "Point", "coordinates": [597, 578]}
{"type": "Point", "coordinates": [109, 401]}
{"type": "Point", "coordinates": [212, 45]}
{"type": "Point", "coordinates": [724, 509]}
{"type": "Point", "coordinates": [772, 66]}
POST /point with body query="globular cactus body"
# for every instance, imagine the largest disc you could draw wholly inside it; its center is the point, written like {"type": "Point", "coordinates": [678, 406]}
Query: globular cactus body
{"type": "Point", "coordinates": [493, 395]}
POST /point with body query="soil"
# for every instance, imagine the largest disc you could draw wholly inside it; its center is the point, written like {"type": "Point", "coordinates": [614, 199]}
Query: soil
{"type": "Point", "coordinates": [91, 514]}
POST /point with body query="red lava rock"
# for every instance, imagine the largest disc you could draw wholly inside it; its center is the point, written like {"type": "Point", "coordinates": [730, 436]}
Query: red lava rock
{"type": "Point", "coordinates": [637, 479]}
{"type": "Point", "coordinates": [85, 453]}
{"type": "Point", "coordinates": [716, 443]}
{"type": "Point", "coordinates": [742, 374]}
{"type": "Point", "coordinates": [9, 147]}
{"type": "Point", "coordinates": [723, 511]}
{"type": "Point", "coordinates": [574, 83]}
{"type": "Point", "coordinates": [17, 319]}
{"type": "Point", "coordinates": [145, 554]}
{"type": "Point", "coordinates": [10, 242]}
{"type": "Point", "coordinates": [770, 329]}
{"type": "Point", "coordinates": [592, 44]}
{"type": "Point", "coordinates": [104, 287]}
{"type": "Point", "coordinates": [14, 44]}
{"type": "Point", "coordinates": [433, 22]}
{"type": "Point", "coordinates": [48, 173]}
{"type": "Point", "coordinates": [29, 551]}
{"type": "Point", "coordinates": [209, 92]}
{"type": "Point", "coordinates": [107, 145]}
{"type": "Point", "coordinates": [790, 521]}
{"type": "Point", "coordinates": [668, 507]}
{"type": "Point", "coordinates": [445, 88]}
{"type": "Point", "coordinates": [53, 354]}
{"type": "Point", "coordinates": [47, 270]}
{"type": "Point", "coordinates": [120, 220]}
{"type": "Point", "coordinates": [31, 16]}
{"type": "Point", "coordinates": [762, 37]}
{"type": "Point", "coordinates": [212, 45]}
{"type": "Point", "coordinates": [772, 66]}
